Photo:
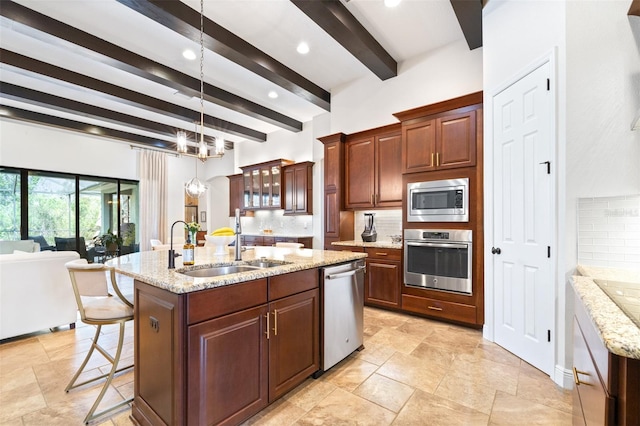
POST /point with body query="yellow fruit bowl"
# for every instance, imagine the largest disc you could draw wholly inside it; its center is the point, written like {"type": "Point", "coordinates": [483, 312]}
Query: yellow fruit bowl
{"type": "Point", "coordinates": [219, 241]}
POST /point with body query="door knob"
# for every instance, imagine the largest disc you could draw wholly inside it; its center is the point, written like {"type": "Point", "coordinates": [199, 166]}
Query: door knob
{"type": "Point", "coordinates": [495, 250]}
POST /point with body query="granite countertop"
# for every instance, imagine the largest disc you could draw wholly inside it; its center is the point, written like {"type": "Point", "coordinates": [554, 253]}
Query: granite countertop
{"type": "Point", "coordinates": [379, 244]}
{"type": "Point", "coordinates": [617, 331]}
{"type": "Point", "coordinates": [151, 266]}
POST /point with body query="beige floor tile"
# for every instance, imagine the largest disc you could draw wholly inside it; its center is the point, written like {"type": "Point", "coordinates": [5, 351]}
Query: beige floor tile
{"type": "Point", "coordinates": [280, 413]}
{"type": "Point", "coordinates": [12, 422]}
{"type": "Point", "coordinates": [375, 353]}
{"type": "Point", "coordinates": [16, 378]}
{"type": "Point", "coordinates": [544, 391]}
{"type": "Point", "coordinates": [512, 410]}
{"type": "Point", "coordinates": [419, 327]}
{"type": "Point", "coordinates": [467, 392]}
{"type": "Point", "coordinates": [434, 355]}
{"type": "Point", "coordinates": [413, 371]}
{"type": "Point", "coordinates": [21, 400]}
{"type": "Point", "coordinates": [123, 419]}
{"type": "Point", "coordinates": [344, 408]}
{"type": "Point", "coordinates": [456, 339]}
{"type": "Point", "coordinates": [486, 373]}
{"type": "Point", "coordinates": [351, 374]}
{"type": "Point", "coordinates": [385, 392]}
{"type": "Point", "coordinates": [381, 318]}
{"type": "Point", "coordinates": [310, 393]}
{"type": "Point", "coordinates": [426, 409]}
{"type": "Point", "coordinates": [401, 342]}
{"type": "Point", "coordinates": [20, 354]}
{"type": "Point", "coordinates": [495, 353]}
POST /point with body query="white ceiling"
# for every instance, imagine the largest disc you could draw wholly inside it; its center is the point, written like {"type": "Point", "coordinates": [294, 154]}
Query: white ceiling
{"type": "Point", "coordinates": [413, 28]}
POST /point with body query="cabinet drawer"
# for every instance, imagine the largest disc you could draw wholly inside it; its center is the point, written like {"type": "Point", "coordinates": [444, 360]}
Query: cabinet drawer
{"type": "Point", "coordinates": [207, 304]}
{"type": "Point", "coordinates": [295, 282]}
{"type": "Point", "coordinates": [439, 308]}
{"type": "Point", "coordinates": [597, 406]}
{"type": "Point", "coordinates": [383, 253]}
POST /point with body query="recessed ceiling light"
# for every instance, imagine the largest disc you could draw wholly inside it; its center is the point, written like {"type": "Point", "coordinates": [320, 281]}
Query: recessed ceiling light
{"type": "Point", "coordinates": [392, 3]}
{"type": "Point", "coordinates": [303, 48]}
{"type": "Point", "coordinates": [273, 94]}
{"type": "Point", "coordinates": [189, 54]}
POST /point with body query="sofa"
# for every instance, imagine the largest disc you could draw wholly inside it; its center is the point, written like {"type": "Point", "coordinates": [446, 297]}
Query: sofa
{"type": "Point", "coordinates": [9, 246]}
{"type": "Point", "coordinates": [35, 292]}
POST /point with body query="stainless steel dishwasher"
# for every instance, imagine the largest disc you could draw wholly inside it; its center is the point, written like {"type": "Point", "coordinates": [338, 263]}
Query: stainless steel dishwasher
{"type": "Point", "coordinates": [342, 312]}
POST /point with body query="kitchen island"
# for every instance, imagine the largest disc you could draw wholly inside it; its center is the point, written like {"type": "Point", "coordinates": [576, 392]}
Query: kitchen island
{"type": "Point", "coordinates": [217, 350]}
{"type": "Point", "coordinates": [606, 353]}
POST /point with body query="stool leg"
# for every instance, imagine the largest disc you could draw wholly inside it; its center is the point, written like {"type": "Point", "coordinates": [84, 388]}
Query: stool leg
{"type": "Point", "coordinates": [71, 384]}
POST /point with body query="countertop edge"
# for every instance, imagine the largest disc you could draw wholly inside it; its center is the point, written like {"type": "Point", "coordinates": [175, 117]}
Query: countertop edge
{"type": "Point", "coordinates": [616, 331]}
{"type": "Point", "coordinates": [377, 244]}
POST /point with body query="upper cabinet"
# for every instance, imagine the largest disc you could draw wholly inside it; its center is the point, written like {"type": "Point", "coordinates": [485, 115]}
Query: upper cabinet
{"type": "Point", "coordinates": [236, 195]}
{"type": "Point", "coordinates": [441, 136]}
{"type": "Point", "coordinates": [298, 188]}
{"type": "Point", "coordinates": [373, 172]}
{"type": "Point", "coordinates": [263, 185]}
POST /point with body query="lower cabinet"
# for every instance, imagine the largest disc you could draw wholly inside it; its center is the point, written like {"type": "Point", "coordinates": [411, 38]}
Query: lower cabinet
{"type": "Point", "coordinates": [607, 386]}
{"type": "Point", "coordinates": [453, 311]}
{"type": "Point", "coordinates": [383, 279]}
{"type": "Point", "coordinates": [221, 355]}
{"type": "Point", "coordinates": [263, 240]}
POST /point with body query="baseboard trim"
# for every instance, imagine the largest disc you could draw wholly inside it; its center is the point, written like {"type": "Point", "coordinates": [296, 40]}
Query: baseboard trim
{"type": "Point", "coordinates": [563, 377]}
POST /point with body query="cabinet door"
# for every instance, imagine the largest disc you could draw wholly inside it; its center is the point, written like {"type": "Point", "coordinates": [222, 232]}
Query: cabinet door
{"type": "Point", "coordinates": [332, 165]}
{"type": "Point", "coordinates": [236, 194]}
{"type": "Point", "coordinates": [388, 171]}
{"type": "Point", "coordinates": [456, 136]}
{"type": "Point", "coordinates": [275, 176]}
{"type": "Point", "coordinates": [256, 185]}
{"type": "Point", "coordinates": [228, 364]}
{"type": "Point", "coordinates": [359, 173]}
{"type": "Point", "coordinates": [383, 283]}
{"type": "Point", "coordinates": [419, 147]}
{"type": "Point", "coordinates": [331, 214]}
{"type": "Point", "coordinates": [294, 351]}
{"type": "Point", "coordinates": [289, 195]}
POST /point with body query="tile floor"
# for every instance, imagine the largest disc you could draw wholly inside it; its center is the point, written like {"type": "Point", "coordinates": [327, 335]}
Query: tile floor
{"type": "Point", "coordinates": [413, 371]}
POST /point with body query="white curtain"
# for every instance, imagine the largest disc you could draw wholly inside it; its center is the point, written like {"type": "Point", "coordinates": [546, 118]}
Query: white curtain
{"type": "Point", "coordinates": [153, 197]}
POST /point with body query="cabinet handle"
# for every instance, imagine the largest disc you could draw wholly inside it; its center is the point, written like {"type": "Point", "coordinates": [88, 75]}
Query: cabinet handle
{"type": "Point", "coordinates": [267, 332]}
{"type": "Point", "coordinates": [377, 198]}
{"type": "Point", "coordinates": [382, 254]}
{"type": "Point", "coordinates": [437, 158]}
{"type": "Point", "coordinates": [371, 198]}
{"type": "Point", "coordinates": [275, 322]}
{"type": "Point", "coordinates": [434, 308]}
{"type": "Point", "coordinates": [432, 163]}
{"type": "Point", "coordinates": [576, 379]}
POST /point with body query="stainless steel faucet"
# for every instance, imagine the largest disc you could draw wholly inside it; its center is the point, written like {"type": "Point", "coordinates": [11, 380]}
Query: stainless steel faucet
{"type": "Point", "coordinates": [172, 253]}
{"type": "Point", "coordinates": [238, 231]}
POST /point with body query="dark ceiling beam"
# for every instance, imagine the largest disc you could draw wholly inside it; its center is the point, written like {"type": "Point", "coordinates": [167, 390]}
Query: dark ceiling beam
{"type": "Point", "coordinates": [182, 19]}
{"type": "Point", "coordinates": [56, 103]}
{"type": "Point", "coordinates": [469, 14]}
{"type": "Point", "coordinates": [55, 32]}
{"type": "Point", "coordinates": [92, 129]}
{"type": "Point", "coordinates": [126, 96]}
{"type": "Point", "coordinates": [333, 17]}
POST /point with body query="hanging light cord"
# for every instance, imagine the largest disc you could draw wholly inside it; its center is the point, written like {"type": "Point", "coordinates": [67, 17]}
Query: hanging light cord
{"type": "Point", "coordinates": [201, 71]}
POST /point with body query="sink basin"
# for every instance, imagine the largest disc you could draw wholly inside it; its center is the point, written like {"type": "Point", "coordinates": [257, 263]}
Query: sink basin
{"type": "Point", "coordinates": [265, 263]}
{"type": "Point", "coordinates": [220, 270]}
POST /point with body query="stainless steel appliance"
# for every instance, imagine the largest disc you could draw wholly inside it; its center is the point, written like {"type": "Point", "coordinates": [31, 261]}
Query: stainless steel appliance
{"type": "Point", "coordinates": [343, 310]}
{"type": "Point", "coordinates": [369, 234]}
{"type": "Point", "coordinates": [438, 201]}
{"type": "Point", "coordinates": [438, 259]}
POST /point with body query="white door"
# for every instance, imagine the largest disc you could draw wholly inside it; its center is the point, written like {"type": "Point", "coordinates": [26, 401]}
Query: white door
{"type": "Point", "coordinates": [523, 219]}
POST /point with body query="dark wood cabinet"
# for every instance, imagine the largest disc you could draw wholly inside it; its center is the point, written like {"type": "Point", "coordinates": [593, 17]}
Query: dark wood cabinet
{"type": "Point", "coordinates": [264, 240]}
{"type": "Point", "coordinates": [293, 341]}
{"type": "Point", "coordinates": [236, 195]}
{"type": "Point", "coordinates": [219, 356]}
{"type": "Point", "coordinates": [338, 223]}
{"type": "Point", "coordinates": [440, 143]}
{"type": "Point", "coordinates": [373, 170]}
{"type": "Point", "coordinates": [442, 136]}
{"type": "Point", "coordinates": [383, 279]}
{"type": "Point", "coordinates": [606, 386]}
{"type": "Point", "coordinates": [298, 188]}
{"type": "Point", "coordinates": [262, 185]}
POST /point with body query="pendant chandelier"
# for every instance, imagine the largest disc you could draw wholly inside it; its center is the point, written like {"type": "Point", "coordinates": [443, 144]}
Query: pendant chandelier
{"type": "Point", "coordinates": [194, 187]}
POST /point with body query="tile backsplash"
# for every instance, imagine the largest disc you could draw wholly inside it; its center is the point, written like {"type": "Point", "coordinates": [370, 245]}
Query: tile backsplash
{"type": "Point", "coordinates": [387, 222]}
{"type": "Point", "coordinates": [277, 222]}
{"type": "Point", "coordinates": [609, 231]}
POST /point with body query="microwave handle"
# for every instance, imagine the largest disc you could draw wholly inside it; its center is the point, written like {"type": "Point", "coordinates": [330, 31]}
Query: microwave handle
{"type": "Point", "coordinates": [439, 245]}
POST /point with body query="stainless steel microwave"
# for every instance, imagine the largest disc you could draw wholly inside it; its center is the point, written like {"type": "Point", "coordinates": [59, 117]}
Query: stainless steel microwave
{"type": "Point", "coordinates": [438, 201]}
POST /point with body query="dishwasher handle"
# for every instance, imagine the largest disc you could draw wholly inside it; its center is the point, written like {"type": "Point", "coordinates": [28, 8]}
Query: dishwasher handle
{"type": "Point", "coordinates": [345, 274]}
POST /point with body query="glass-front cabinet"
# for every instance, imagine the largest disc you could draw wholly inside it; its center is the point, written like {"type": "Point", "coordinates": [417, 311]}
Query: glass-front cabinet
{"type": "Point", "coordinates": [263, 185]}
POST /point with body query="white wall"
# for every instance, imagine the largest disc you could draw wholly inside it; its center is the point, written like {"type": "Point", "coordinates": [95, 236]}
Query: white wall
{"type": "Point", "coordinates": [598, 85]}
{"type": "Point", "coordinates": [445, 73]}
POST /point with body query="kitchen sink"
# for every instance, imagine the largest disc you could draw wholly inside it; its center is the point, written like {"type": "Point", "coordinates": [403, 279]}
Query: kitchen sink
{"type": "Point", "coordinates": [266, 263]}
{"type": "Point", "coordinates": [219, 270]}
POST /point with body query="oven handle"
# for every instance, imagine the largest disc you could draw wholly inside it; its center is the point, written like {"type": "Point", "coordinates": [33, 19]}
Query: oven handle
{"type": "Point", "coordinates": [438, 245]}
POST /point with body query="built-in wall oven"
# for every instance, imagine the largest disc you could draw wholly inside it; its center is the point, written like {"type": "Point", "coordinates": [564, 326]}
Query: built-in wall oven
{"type": "Point", "coordinates": [438, 259]}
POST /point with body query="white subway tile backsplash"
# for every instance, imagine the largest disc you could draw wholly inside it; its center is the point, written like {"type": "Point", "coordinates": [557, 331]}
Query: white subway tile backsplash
{"type": "Point", "coordinates": [609, 231]}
